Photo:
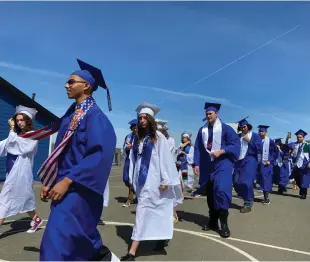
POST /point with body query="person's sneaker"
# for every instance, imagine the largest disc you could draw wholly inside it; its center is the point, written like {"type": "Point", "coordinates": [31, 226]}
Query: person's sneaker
{"type": "Point", "coordinates": [35, 224]}
{"type": "Point", "coordinates": [266, 201]}
{"type": "Point", "coordinates": [127, 204]}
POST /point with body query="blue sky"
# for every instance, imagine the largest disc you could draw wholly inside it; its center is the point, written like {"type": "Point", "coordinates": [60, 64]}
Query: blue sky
{"type": "Point", "coordinates": [177, 55]}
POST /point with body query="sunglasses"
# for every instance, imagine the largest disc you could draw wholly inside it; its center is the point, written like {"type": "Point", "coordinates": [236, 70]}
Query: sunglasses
{"type": "Point", "coordinates": [72, 82]}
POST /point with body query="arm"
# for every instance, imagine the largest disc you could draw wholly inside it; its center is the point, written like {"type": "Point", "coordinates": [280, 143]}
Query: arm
{"type": "Point", "coordinates": [94, 169]}
{"type": "Point", "coordinates": [3, 151]}
{"type": "Point", "coordinates": [131, 166]}
{"type": "Point", "coordinates": [197, 149]}
{"type": "Point", "coordinates": [273, 152]}
{"type": "Point", "coordinates": [232, 144]}
{"type": "Point", "coordinates": [190, 156]}
{"type": "Point", "coordinates": [20, 146]}
{"type": "Point", "coordinates": [257, 144]}
{"type": "Point", "coordinates": [168, 172]}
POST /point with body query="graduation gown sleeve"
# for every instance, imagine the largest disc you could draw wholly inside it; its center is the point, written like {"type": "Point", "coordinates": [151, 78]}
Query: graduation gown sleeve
{"type": "Point", "coordinates": [168, 172]}
{"type": "Point", "coordinates": [197, 148]}
{"type": "Point", "coordinates": [2, 148]}
{"type": "Point", "coordinates": [232, 143]}
{"type": "Point", "coordinates": [190, 156]}
{"type": "Point", "coordinates": [273, 152]}
{"type": "Point", "coordinates": [94, 168]}
{"type": "Point", "coordinates": [20, 146]}
{"type": "Point", "coordinates": [131, 166]}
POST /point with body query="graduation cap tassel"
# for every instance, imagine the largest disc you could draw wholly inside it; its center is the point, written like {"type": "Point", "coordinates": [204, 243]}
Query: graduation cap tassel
{"type": "Point", "coordinates": [109, 99]}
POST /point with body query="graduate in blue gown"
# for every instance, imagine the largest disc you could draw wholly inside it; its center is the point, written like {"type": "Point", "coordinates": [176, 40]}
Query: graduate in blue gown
{"type": "Point", "coordinates": [301, 163]}
{"type": "Point", "coordinates": [217, 148]}
{"type": "Point", "coordinates": [83, 169]}
{"type": "Point", "coordinates": [246, 167]}
{"type": "Point", "coordinates": [127, 146]}
{"type": "Point", "coordinates": [266, 163]}
{"type": "Point", "coordinates": [281, 167]}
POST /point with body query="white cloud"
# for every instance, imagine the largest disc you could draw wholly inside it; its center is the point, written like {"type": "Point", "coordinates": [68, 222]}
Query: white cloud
{"type": "Point", "coordinates": [193, 95]}
{"type": "Point", "coordinates": [30, 70]}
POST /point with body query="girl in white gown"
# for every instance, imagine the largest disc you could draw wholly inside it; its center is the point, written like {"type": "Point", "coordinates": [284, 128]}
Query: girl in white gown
{"type": "Point", "coordinates": [17, 194]}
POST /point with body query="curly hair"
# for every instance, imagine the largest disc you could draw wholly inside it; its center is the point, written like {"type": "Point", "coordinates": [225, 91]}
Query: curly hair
{"type": "Point", "coordinates": [152, 128]}
{"type": "Point", "coordinates": [29, 124]}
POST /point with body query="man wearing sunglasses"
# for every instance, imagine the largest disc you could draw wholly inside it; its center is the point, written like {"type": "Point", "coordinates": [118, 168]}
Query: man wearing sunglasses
{"type": "Point", "coordinates": [75, 175]}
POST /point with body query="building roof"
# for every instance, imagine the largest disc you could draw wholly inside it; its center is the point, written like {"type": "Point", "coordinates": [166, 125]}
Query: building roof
{"type": "Point", "coordinates": [27, 101]}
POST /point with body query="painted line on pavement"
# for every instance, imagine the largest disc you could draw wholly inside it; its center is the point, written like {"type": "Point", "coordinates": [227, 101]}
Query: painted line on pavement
{"type": "Point", "coordinates": [201, 233]}
{"type": "Point", "coordinates": [236, 249]}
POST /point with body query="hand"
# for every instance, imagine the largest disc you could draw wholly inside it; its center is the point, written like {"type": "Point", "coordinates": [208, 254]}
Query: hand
{"type": "Point", "coordinates": [11, 123]}
{"type": "Point", "coordinates": [44, 193]}
{"type": "Point", "coordinates": [308, 165]}
{"type": "Point", "coordinates": [246, 138]}
{"type": "Point", "coordinates": [163, 188]}
{"type": "Point", "coordinates": [267, 163]}
{"type": "Point", "coordinates": [60, 189]}
{"type": "Point", "coordinates": [129, 146]}
{"type": "Point", "coordinates": [196, 170]}
{"type": "Point", "coordinates": [217, 153]}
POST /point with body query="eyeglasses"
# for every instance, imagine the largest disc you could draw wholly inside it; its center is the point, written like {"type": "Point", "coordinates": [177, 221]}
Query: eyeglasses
{"type": "Point", "coordinates": [72, 82]}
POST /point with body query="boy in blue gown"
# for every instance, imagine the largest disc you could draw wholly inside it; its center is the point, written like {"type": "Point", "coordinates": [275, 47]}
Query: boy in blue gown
{"type": "Point", "coordinates": [245, 169]}
{"type": "Point", "coordinates": [281, 168]}
{"type": "Point", "coordinates": [83, 170]}
{"type": "Point", "coordinates": [301, 163]}
{"type": "Point", "coordinates": [266, 163]}
{"type": "Point", "coordinates": [127, 146]}
{"type": "Point", "coordinates": [217, 147]}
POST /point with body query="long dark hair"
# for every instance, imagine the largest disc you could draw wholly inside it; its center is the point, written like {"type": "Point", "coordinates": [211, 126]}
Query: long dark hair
{"type": "Point", "coordinates": [188, 138]}
{"type": "Point", "coordinates": [250, 127]}
{"type": "Point", "coordinates": [29, 124]}
{"type": "Point", "coordinates": [152, 127]}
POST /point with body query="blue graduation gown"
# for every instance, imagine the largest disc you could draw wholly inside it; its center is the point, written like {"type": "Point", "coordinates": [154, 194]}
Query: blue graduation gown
{"type": "Point", "coordinates": [219, 170]}
{"type": "Point", "coordinates": [281, 173]}
{"type": "Point", "coordinates": [245, 170]}
{"type": "Point", "coordinates": [71, 232]}
{"type": "Point", "coordinates": [266, 172]}
{"type": "Point", "coordinates": [128, 138]}
{"type": "Point", "coordinates": [304, 171]}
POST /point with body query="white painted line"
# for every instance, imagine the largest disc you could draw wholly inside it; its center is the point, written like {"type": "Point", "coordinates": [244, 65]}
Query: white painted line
{"type": "Point", "coordinates": [253, 259]}
{"type": "Point", "coordinates": [262, 244]}
{"type": "Point", "coordinates": [189, 232]}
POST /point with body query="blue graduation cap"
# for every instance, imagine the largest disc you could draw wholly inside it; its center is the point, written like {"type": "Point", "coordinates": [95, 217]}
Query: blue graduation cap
{"type": "Point", "coordinates": [243, 122]}
{"type": "Point", "coordinates": [263, 128]}
{"type": "Point", "coordinates": [133, 122]}
{"type": "Point", "coordinates": [94, 77]}
{"type": "Point", "coordinates": [278, 140]}
{"type": "Point", "coordinates": [301, 132]}
{"type": "Point", "coordinates": [212, 107]}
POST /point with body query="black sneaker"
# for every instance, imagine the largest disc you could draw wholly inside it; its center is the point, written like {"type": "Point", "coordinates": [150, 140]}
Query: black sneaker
{"type": "Point", "coordinates": [266, 201]}
{"type": "Point", "coordinates": [128, 257]}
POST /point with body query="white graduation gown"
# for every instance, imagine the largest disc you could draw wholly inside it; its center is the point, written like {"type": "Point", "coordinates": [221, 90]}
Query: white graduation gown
{"type": "Point", "coordinates": [154, 216]}
{"type": "Point", "coordinates": [171, 144]}
{"type": "Point", "coordinates": [190, 161]}
{"type": "Point", "coordinates": [106, 195]}
{"type": "Point", "coordinates": [17, 194]}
